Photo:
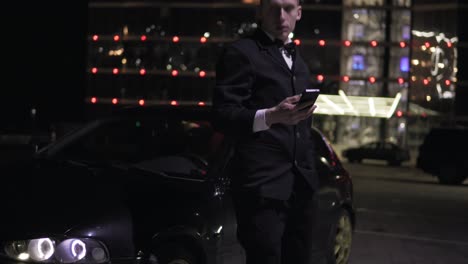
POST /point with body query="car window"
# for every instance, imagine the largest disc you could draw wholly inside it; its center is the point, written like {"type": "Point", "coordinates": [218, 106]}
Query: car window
{"type": "Point", "coordinates": [132, 141]}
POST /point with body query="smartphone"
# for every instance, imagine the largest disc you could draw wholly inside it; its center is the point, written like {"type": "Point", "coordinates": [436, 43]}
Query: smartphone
{"type": "Point", "coordinates": [308, 97]}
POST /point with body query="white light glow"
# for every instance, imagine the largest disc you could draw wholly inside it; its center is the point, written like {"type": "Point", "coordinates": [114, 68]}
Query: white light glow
{"type": "Point", "coordinates": [371, 106]}
{"type": "Point", "coordinates": [41, 249]}
{"type": "Point", "coordinates": [331, 103]}
{"type": "Point", "coordinates": [347, 102]}
{"type": "Point", "coordinates": [291, 35]}
{"type": "Point", "coordinates": [219, 230]}
{"type": "Point", "coordinates": [78, 249]}
{"type": "Point", "coordinates": [23, 256]}
{"type": "Point", "coordinates": [394, 105]}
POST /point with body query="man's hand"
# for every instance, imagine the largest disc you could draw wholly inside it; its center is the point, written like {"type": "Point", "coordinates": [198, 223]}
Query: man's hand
{"type": "Point", "coordinates": [287, 112]}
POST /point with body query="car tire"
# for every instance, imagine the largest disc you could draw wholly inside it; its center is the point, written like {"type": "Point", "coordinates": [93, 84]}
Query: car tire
{"type": "Point", "coordinates": [176, 254]}
{"type": "Point", "coordinates": [341, 238]}
{"type": "Point", "coordinates": [449, 175]}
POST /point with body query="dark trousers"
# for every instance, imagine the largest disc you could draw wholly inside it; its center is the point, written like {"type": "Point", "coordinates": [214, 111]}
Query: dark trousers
{"type": "Point", "coordinates": [275, 231]}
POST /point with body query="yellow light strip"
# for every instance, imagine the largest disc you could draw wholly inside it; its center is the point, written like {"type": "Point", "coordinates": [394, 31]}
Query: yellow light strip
{"type": "Point", "coordinates": [332, 104]}
{"type": "Point", "coordinates": [346, 100]}
{"type": "Point", "coordinates": [371, 106]}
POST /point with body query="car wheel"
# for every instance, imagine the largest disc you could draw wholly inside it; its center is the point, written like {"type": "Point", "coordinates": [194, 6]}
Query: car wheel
{"type": "Point", "coordinates": [449, 175]}
{"type": "Point", "coordinates": [341, 239]}
{"type": "Point", "coordinates": [175, 254]}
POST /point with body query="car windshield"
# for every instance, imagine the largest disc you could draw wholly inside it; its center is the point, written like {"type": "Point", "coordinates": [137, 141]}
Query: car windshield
{"type": "Point", "coordinates": [132, 140]}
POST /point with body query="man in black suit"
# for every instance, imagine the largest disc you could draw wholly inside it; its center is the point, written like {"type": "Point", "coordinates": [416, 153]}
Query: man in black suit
{"type": "Point", "coordinates": [258, 82]}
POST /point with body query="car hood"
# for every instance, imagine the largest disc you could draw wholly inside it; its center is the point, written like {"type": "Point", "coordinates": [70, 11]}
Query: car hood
{"type": "Point", "coordinates": [50, 198]}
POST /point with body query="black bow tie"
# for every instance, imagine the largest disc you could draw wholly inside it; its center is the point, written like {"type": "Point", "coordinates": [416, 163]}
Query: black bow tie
{"type": "Point", "coordinates": [290, 47]}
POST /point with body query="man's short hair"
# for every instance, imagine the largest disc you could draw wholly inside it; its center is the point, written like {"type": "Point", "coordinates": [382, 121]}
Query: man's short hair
{"type": "Point", "coordinates": [300, 2]}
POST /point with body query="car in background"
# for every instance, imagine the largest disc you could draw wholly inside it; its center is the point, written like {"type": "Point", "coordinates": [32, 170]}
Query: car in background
{"type": "Point", "coordinates": [443, 154]}
{"type": "Point", "coordinates": [393, 154]}
{"type": "Point", "coordinates": [147, 185]}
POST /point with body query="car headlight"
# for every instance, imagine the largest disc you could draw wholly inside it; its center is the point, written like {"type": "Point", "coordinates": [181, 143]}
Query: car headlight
{"type": "Point", "coordinates": [51, 250]}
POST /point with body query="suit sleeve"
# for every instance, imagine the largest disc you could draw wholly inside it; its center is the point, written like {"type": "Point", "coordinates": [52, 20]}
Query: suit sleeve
{"type": "Point", "coordinates": [234, 81]}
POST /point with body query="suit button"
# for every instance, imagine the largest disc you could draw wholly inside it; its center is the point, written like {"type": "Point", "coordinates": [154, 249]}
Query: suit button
{"type": "Point", "coordinates": [294, 78]}
{"type": "Point", "coordinates": [298, 135]}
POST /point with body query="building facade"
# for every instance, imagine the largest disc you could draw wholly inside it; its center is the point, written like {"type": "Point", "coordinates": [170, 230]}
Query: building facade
{"type": "Point", "coordinates": [388, 69]}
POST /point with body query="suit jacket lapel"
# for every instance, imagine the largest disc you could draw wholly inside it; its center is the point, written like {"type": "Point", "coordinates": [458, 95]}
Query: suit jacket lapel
{"type": "Point", "coordinates": [271, 49]}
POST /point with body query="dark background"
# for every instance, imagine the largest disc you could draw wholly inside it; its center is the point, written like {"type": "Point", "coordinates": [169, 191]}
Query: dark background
{"type": "Point", "coordinates": [44, 58]}
{"type": "Point", "coordinates": [44, 64]}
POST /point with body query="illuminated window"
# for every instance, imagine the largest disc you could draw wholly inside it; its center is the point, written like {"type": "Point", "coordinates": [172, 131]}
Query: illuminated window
{"type": "Point", "coordinates": [405, 32]}
{"type": "Point", "coordinates": [404, 64]}
{"type": "Point", "coordinates": [358, 62]}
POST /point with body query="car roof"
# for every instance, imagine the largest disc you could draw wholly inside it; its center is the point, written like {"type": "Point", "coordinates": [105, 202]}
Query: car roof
{"type": "Point", "coordinates": [167, 111]}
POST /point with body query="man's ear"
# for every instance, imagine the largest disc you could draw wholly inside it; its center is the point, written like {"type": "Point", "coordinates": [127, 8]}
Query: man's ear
{"type": "Point", "coordinates": [299, 13]}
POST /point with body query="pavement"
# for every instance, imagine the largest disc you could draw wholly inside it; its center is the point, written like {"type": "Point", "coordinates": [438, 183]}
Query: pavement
{"type": "Point", "coordinates": [384, 248]}
{"type": "Point", "coordinates": [371, 246]}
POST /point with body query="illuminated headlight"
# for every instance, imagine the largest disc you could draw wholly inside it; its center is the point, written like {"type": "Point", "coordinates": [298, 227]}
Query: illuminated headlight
{"type": "Point", "coordinates": [50, 250]}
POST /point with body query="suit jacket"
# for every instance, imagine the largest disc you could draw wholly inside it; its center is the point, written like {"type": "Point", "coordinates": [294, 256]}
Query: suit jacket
{"type": "Point", "coordinates": [251, 74]}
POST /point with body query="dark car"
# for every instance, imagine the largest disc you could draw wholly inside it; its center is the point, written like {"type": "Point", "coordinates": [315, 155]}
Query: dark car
{"type": "Point", "coordinates": [443, 154]}
{"type": "Point", "coordinates": [147, 185]}
{"type": "Point", "coordinates": [387, 151]}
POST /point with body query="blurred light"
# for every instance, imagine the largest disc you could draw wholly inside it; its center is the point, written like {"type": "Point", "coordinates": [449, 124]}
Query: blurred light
{"type": "Point", "coordinates": [23, 256]}
{"type": "Point", "coordinates": [297, 41]}
{"type": "Point", "coordinates": [404, 64]}
{"type": "Point", "coordinates": [175, 73]}
{"type": "Point", "coordinates": [347, 43]}
{"type": "Point", "coordinates": [449, 44]}
{"type": "Point", "coordinates": [115, 101]}
{"type": "Point", "coordinates": [116, 37]}
{"type": "Point", "coordinates": [143, 38]}
{"type": "Point", "coordinates": [428, 98]}
{"type": "Point", "coordinates": [374, 43]}
{"type": "Point", "coordinates": [174, 102]}
{"type": "Point", "coordinates": [94, 70]}
{"type": "Point", "coordinates": [372, 79]}
{"type": "Point", "coordinates": [346, 78]}
{"type": "Point", "coordinates": [447, 82]}
{"type": "Point", "coordinates": [142, 71]}
{"type": "Point", "coordinates": [141, 102]}
{"type": "Point", "coordinates": [175, 39]}
{"type": "Point", "coordinates": [93, 100]}
{"type": "Point", "coordinates": [322, 42]}
{"type": "Point", "coordinates": [401, 80]}
{"type": "Point", "coordinates": [399, 113]}
{"type": "Point", "coordinates": [291, 35]}
{"type": "Point", "coordinates": [41, 249]}
{"type": "Point", "coordinates": [202, 74]}
{"type": "Point", "coordinates": [115, 71]}
{"type": "Point", "coordinates": [427, 44]}
{"type": "Point", "coordinates": [95, 37]}
{"type": "Point", "coordinates": [201, 103]}
{"type": "Point", "coordinates": [413, 78]}
{"type": "Point", "coordinates": [426, 81]}
{"type": "Point", "coordinates": [78, 249]}
{"type": "Point", "coordinates": [203, 40]}
{"type": "Point", "coordinates": [320, 78]}
{"type": "Point", "coordinates": [206, 34]}
{"type": "Point", "coordinates": [402, 44]}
